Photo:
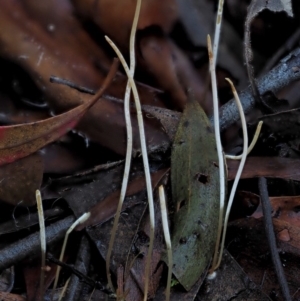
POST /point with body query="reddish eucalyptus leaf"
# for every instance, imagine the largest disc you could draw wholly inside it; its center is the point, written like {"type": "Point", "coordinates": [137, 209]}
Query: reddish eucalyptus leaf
{"type": "Point", "coordinates": [18, 141]}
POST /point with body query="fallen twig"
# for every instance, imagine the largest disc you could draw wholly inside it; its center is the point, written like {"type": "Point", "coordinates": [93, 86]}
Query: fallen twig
{"type": "Point", "coordinates": [30, 245]}
{"type": "Point", "coordinates": [279, 77]}
{"type": "Point", "coordinates": [265, 203]}
{"type": "Point", "coordinates": [82, 277]}
{"type": "Point", "coordinates": [80, 220]}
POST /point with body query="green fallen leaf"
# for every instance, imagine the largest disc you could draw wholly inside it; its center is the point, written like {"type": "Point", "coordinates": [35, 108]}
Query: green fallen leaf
{"type": "Point", "coordinates": [195, 190]}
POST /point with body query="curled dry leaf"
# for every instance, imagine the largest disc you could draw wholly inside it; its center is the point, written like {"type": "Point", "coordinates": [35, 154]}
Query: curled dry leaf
{"type": "Point", "coordinates": [255, 7]}
{"type": "Point", "coordinates": [258, 6]}
{"type": "Point", "coordinates": [195, 190]}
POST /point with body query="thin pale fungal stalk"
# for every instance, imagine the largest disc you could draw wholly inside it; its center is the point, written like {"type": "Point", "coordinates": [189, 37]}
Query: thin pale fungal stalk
{"type": "Point", "coordinates": [129, 144]}
{"type": "Point", "coordinates": [64, 289]}
{"type": "Point", "coordinates": [239, 172]}
{"type": "Point", "coordinates": [80, 220]}
{"type": "Point", "coordinates": [219, 147]}
{"type": "Point", "coordinates": [252, 144]}
{"type": "Point", "coordinates": [164, 217]}
{"type": "Point", "coordinates": [218, 30]}
{"type": "Point", "coordinates": [145, 161]}
{"type": "Point", "coordinates": [43, 240]}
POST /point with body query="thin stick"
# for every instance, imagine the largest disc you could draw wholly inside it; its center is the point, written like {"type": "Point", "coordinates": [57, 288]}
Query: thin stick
{"type": "Point", "coordinates": [252, 144]}
{"type": "Point", "coordinates": [164, 217]}
{"type": "Point", "coordinates": [219, 147]}
{"type": "Point", "coordinates": [129, 144]}
{"type": "Point", "coordinates": [80, 220]}
{"type": "Point", "coordinates": [43, 241]}
{"type": "Point", "coordinates": [66, 82]}
{"type": "Point", "coordinates": [239, 172]}
{"type": "Point", "coordinates": [218, 30]}
{"type": "Point", "coordinates": [265, 203]}
{"type": "Point", "coordinates": [89, 281]}
{"type": "Point", "coordinates": [145, 161]}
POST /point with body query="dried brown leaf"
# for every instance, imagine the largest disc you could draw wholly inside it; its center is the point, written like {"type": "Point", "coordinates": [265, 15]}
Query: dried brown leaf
{"type": "Point", "coordinates": [271, 167]}
{"type": "Point", "coordinates": [35, 49]}
{"type": "Point", "coordinates": [19, 180]}
{"type": "Point", "coordinates": [117, 24]}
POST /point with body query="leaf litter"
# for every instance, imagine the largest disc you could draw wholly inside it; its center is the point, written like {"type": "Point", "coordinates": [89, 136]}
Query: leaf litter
{"type": "Point", "coordinates": [157, 57]}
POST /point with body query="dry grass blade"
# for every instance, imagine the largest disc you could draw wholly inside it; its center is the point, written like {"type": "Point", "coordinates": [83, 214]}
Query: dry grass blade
{"type": "Point", "coordinates": [145, 161]}
{"type": "Point", "coordinates": [129, 144]}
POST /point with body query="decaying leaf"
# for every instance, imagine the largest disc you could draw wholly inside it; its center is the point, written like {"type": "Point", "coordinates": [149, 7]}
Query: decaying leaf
{"type": "Point", "coordinates": [172, 71]}
{"type": "Point", "coordinates": [195, 189]}
{"type": "Point", "coordinates": [286, 221]}
{"type": "Point", "coordinates": [284, 208]}
{"type": "Point", "coordinates": [107, 208]}
{"type": "Point", "coordinates": [232, 283]}
{"type": "Point", "coordinates": [247, 243]}
{"type": "Point", "coordinates": [42, 59]}
{"type": "Point", "coordinates": [258, 6]}
{"type": "Point", "coordinates": [168, 118]}
{"type": "Point", "coordinates": [18, 141]}
{"type": "Point", "coordinates": [271, 167]}
{"type": "Point", "coordinates": [118, 22]}
{"type": "Point", "coordinates": [19, 180]}
{"type": "Point", "coordinates": [255, 7]}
